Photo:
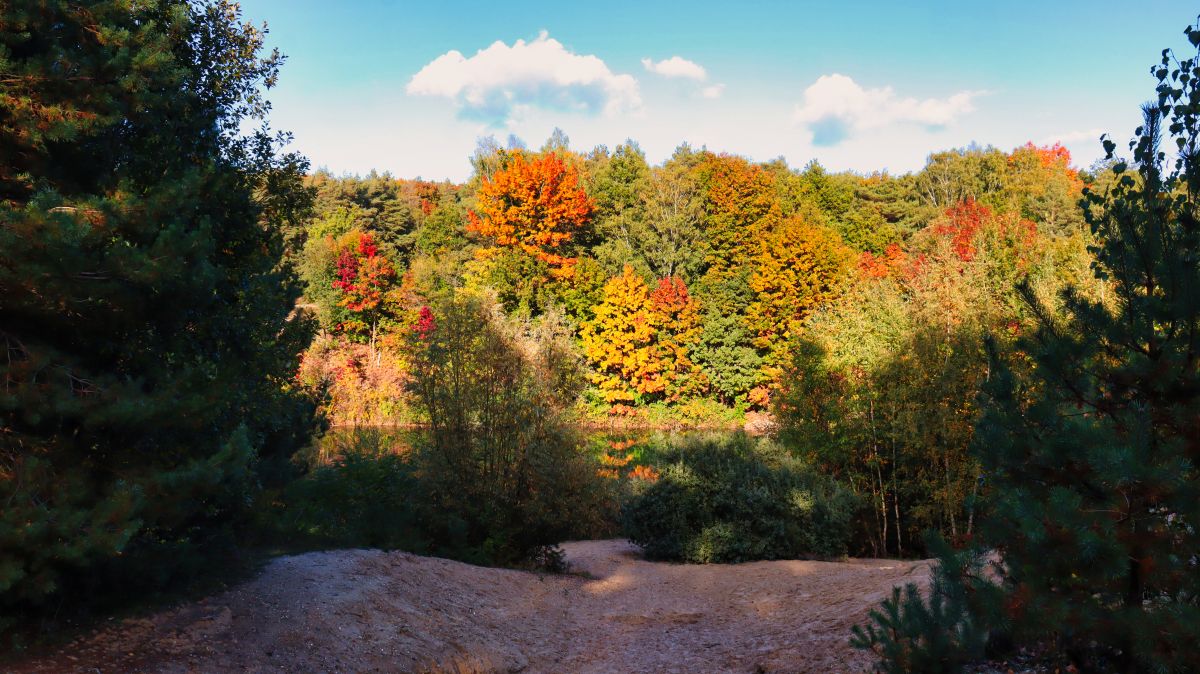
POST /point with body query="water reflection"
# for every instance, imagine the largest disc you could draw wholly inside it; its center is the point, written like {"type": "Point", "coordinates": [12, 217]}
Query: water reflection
{"type": "Point", "coordinates": [619, 450]}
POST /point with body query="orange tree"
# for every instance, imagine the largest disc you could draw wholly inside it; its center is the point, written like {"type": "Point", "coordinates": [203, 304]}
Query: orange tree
{"type": "Point", "coordinates": [798, 268]}
{"type": "Point", "coordinates": [676, 315]}
{"type": "Point", "coordinates": [535, 205]}
{"type": "Point", "coordinates": [740, 199]}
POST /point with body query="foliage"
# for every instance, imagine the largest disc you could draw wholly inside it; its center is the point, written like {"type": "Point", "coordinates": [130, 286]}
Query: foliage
{"type": "Point", "coordinates": [798, 268]}
{"type": "Point", "coordinates": [675, 315]}
{"type": "Point", "coordinates": [882, 390]}
{"type": "Point", "coordinates": [739, 203]}
{"type": "Point", "coordinates": [147, 298]}
{"type": "Point", "coordinates": [620, 341]}
{"type": "Point", "coordinates": [363, 275]}
{"type": "Point", "coordinates": [534, 205]}
{"type": "Point", "coordinates": [715, 503]}
{"type": "Point", "coordinates": [1094, 460]}
{"type": "Point", "coordinates": [942, 634]}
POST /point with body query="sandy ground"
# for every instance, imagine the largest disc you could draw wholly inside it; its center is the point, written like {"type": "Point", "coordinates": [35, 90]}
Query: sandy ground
{"type": "Point", "coordinates": [372, 611]}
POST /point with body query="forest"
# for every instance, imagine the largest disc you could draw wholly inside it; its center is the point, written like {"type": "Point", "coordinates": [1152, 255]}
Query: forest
{"type": "Point", "coordinates": [215, 352]}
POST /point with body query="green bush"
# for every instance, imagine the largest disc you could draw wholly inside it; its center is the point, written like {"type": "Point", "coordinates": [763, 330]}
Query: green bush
{"type": "Point", "coordinates": [498, 477]}
{"type": "Point", "coordinates": [501, 455]}
{"type": "Point", "coordinates": [738, 500]}
{"type": "Point", "coordinates": [363, 499]}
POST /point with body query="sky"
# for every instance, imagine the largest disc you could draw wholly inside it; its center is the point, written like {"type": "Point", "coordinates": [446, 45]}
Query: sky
{"type": "Point", "coordinates": [411, 87]}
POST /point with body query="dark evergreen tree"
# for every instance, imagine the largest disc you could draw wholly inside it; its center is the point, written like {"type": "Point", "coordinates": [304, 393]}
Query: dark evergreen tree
{"type": "Point", "coordinates": [145, 310]}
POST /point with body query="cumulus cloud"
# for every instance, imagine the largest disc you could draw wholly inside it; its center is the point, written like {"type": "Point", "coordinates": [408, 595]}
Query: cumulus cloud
{"type": "Point", "coordinates": [714, 91]}
{"type": "Point", "coordinates": [676, 66]}
{"type": "Point", "coordinates": [501, 82]}
{"type": "Point", "coordinates": [835, 107]}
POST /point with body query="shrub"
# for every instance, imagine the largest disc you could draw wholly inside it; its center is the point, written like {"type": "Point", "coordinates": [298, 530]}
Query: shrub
{"type": "Point", "coordinates": [502, 472]}
{"type": "Point", "coordinates": [738, 500]}
{"type": "Point", "coordinates": [360, 499]}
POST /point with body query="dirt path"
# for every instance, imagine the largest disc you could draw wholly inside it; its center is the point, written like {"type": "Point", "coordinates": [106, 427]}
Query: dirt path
{"type": "Point", "coordinates": [371, 611]}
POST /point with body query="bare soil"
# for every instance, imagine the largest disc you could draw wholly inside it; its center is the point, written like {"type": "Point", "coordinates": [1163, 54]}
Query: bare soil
{"type": "Point", "coordinates": [372, 611]}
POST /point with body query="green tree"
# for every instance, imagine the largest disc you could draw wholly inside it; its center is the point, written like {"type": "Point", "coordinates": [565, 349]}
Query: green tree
{"type": "Point", "coordinates": [145, 307]}
{"type": "Point", "coordinates": [617, 188]}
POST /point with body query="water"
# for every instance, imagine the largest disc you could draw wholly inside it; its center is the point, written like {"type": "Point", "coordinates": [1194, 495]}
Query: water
{"type": "Point", "coordinates": [631, 446]}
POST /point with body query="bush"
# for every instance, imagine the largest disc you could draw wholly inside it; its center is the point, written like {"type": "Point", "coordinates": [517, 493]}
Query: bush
{"type": "Point", "coordinates": [498, 477]}
{"type": "Point", "coordinates": [738, 500]}
{"type": "Point", "coordinates": [361, 499]}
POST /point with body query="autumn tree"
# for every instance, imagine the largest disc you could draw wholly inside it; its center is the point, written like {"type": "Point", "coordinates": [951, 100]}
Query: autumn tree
{"type": "Point", "coordinates": [676, 317]}
{"type": "Point", "coordinates": [620, 342]}
{"type": "Point", "coordinates": [535, 205]}
{"type": "Point", "coordinates": [364, 276]}
{"type": "Point", "coordinates": [1044, 188]}
{"type": "Point", "coordinates": [740, 202]}
{"type": "Point", "coordinates": [797, 269]}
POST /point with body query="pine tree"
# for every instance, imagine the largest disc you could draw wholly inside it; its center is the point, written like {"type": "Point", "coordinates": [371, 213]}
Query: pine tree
{"type": "Point", "coordinates": [1094, 463]}
{"type": "Point", "coordinates": [144, 308]}
{"type": "Point", "coordinates": [1090, 439]}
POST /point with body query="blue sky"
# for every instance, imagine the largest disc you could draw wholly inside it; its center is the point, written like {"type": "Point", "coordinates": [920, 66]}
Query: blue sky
{"type": "Point", "coordinates": [410, 87]}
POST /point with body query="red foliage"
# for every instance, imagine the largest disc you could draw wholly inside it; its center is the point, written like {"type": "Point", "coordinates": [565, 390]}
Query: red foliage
{"type": "Point", "coordinates": [965, 219]}
{"type": "Point", "coordinates": [426, 323]}
{"type": "Point", "coordinates": [671, 295]}
{"type": "Point", "coordinates": [363, 274]}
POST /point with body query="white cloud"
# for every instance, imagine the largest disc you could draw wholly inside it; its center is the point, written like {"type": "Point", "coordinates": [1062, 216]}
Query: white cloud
{"type": "Point", "coordinates": [676, 66]}
{"type": "Point", "coordinates": [835, 107]}
{"type": "Point", "coordinates": [714, 91]}
{"type": "Point", "coordinates": [500, 83]}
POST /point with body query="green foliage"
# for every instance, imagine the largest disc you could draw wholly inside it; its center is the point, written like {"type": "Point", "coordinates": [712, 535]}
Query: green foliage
{"type": "Point", "coordinates": [501, 463]}
{"type": "Point", "coordinates": [938, 635]}
{"type": "Point", "coordinates": [738, 501]}
{"type": "Point", "coordinates": [725, 351]}
{"type": "Point", "coordinates": [363, 498]}
{"type": "Point", "coordinates": [1094, 461]}
{"type": "Point", "coordinates": [146, 294]}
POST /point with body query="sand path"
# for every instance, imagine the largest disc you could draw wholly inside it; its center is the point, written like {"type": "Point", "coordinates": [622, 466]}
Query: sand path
{"type": "Point", "coordinates": [372, 611]}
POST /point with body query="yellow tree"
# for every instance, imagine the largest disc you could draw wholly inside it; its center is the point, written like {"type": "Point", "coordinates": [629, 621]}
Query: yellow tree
{"type": "Point", "coordinates": [620, 341]}
{"type": "Point", "coordinates": [535, 205]}
{"type": "Point", "coordinates": [798, 268]}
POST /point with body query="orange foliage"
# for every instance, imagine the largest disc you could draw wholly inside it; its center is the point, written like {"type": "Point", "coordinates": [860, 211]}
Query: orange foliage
{"type": "Point", "coordinates": [798, 268]}
{"type": "Point", "coordinates": [893, 262]}
{"type": "Point", "coordinates": [647, 473]}
{"type": "Point", "coordinates": [676, 317]}
{"type": "Point", "coordinates": [535, 205]}
{"type": "Point", "coordinates": [740, 204]}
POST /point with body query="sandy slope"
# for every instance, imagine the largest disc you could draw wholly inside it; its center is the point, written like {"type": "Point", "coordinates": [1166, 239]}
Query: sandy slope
{"type": "Point", "coordinates": [371, 611]}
